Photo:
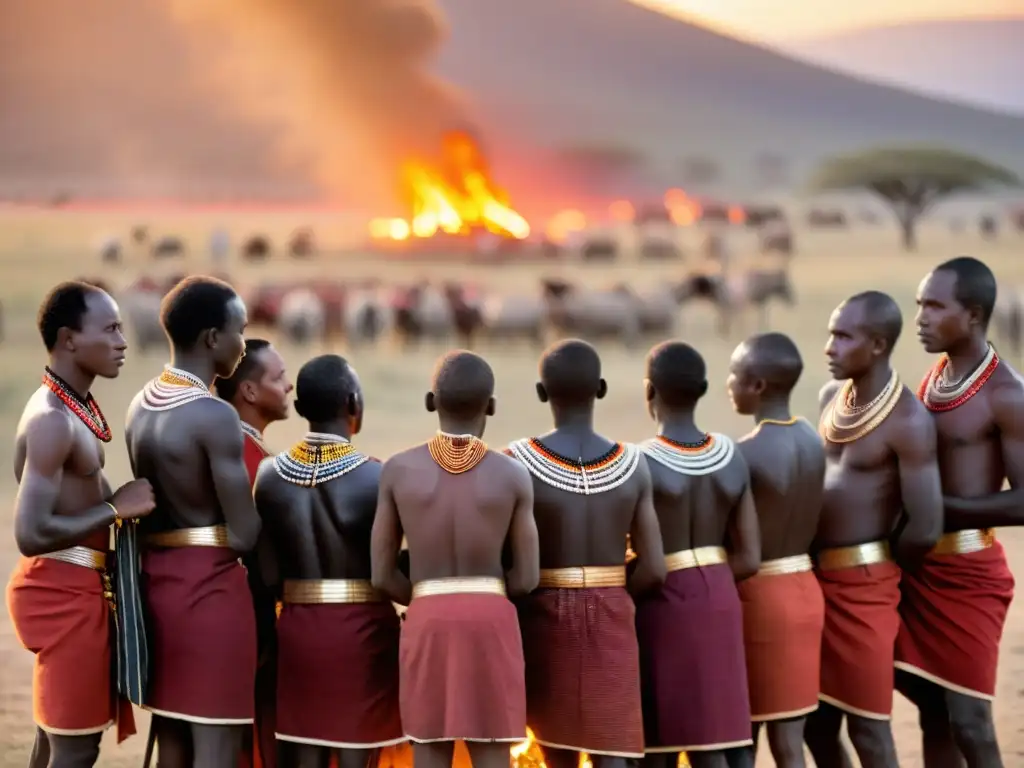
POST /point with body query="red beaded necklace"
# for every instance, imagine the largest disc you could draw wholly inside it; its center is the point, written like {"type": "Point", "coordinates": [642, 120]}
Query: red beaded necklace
{"type": "Point", "coordinates": [86, 409]}
{"type": "Point", "coordinates": [927, 395]}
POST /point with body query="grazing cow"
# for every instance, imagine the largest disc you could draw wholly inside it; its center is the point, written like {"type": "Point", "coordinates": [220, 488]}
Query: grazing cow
{"type": "Point", "coordinates": [657, 308]}
{"type": "Point", "coordinates": [574, 311]}
{"type": "Point", "coordinates": [733, 294]}
{"type": "Point", "coordinates": [169, 247]}
{"type": "Point", "coordinates": [600, 249]}
{"type": "Point", "coordinates": [367, 315]}
{"type": "Point", "coordinates": [510, 317]}
{"type": "Point", "coordinates": [423, 311]}
{"type": "Point", "coordinates": [302, 316]}
{"type": "Point", "coordinates": [656, 248]}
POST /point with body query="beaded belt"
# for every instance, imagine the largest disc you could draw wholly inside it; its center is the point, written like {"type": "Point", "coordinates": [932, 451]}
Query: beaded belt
{"type": "Point", "coordinates": [965, 542]}
{"type": "Point", "coordinates": [83, 556]}
{"type": "Point", "coordinates": [583, 577]}
{"type": "Point", "coordinates": [786, 565]}
{"type": "Point", "coordinates": [459, 585]}
{"type": "Point", "coordinates": [207, 536]}
{"type": "Point", "coordinates": [850, 557]}
{"type": "Point", "coordinates": [695, 558]}
{"type": "Point", "coordinates": [326, 591]}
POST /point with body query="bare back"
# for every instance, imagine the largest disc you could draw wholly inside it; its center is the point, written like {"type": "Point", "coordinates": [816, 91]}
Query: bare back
{"type": "Point", "coordinates": [787, 475]}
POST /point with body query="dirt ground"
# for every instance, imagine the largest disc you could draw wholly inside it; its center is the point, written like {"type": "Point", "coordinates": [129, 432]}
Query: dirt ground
{"type": "Point", "coordinates": [37, 251]}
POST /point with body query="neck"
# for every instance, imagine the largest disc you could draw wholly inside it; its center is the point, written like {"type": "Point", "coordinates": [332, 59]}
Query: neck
{"type": "Point", "coordinates": [869, 385]}
{"type": "Point", "coordinates": [251, 416]}
{"type": "Point", "coordinates": [456, 426]}
{"type": "Point", "coordinates": [199, 366]}
{"type": "Point", "coordinates": [678, 424]}
{"type": "Point", "coordinates": [337, 427]}
{"type": "Point", "coordinates": [965, 357]}
{"type": "Point", "coordinates": [775, 409]}
{"type": "Point", "coordinates": [575, 418]}
{"type": "Point", "coordinates": [72, 375]}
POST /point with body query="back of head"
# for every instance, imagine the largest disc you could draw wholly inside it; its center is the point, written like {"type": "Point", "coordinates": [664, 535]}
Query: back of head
{"type": "Point", "coordinates": [774, 358]}
{"type": "Point", "coordinates": [194, 305]}
{"type": "Point", "coordinates": [975, 284]}
{"type": "Point", "coordinates": [324, 388]}
{"type": "Point", "coordinates": [570, 372]}
{"type": "Point", "coordinates": [64, 307]}
{"type": "Point", "coordinates": [248, 369]}
{"type": "Point", "coordinates": [881, 316]}
{"type": "Point", "coordinates": [677, 373]}
{"type": "Point", "coordinates": [463, 385]}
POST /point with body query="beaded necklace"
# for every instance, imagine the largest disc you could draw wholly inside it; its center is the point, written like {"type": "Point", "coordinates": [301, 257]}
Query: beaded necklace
{"type": "Point", "coordinates": [456, 454]}
{"type": "Point", "coordinates": [256, 436]}
{"type": "Point", "coordinates": [585, 478]}
{"type": "Point", "coordinates": [776, 422]}
{"type": "Point", "coordinates": [85, 408]}
{"type": "Point", "coordinates": [318, 458]}
{"type": "Point", "coordinates": [939, 395]}
{"type": "Point", "coordinates": [713, 453]}
{"type": "Point", "coordinates": [844, 422]}
{"type": "Point", "coordinates": [172, 389]}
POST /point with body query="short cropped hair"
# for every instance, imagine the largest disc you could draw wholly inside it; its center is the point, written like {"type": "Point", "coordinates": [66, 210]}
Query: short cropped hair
{"type": "Point", "coordinates": [323, 388]}
{"type": "Point", "coordinates": [194, 305]}
{"type": "Point", "coordinates": [776, 359]}
{"type": "Point", "coordinates": [462, 384]}
{"type": "Point", "coordinates": [571, 371]}
{"type": "Point", "coordinates": [64, 307]}
{"type": "Point", "coordinates": [975, 284]}
{"type": "Point", "coordinates": [678, 373]}
{"type": "Point", "coordinates": [882, 316]}
{"type": "Point", "coordinates": [248, 369]}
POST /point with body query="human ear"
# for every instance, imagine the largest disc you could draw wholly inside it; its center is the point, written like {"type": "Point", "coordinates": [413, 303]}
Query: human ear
{"type": "Point", "coordinates": [492, 406]}
{"type": "Point", "coordinates": [542, 394]}
{"type": "Point", "coordinates": [429, 402]}
{"type": "Point", "coordinates": [602, 389]}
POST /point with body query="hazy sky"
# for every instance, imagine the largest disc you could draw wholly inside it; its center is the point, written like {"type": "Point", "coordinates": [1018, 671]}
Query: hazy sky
{"type": "Point", "coordinates": [781, 19]}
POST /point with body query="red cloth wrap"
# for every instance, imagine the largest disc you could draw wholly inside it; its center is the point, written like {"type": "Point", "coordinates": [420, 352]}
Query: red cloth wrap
{"type": "Point", "coordinates": [859, 639]}
{"type": "Point", "coordinates": [953, 611]}
{"type": "Point", "coordinates": [583, 670]}
{"type": "Point", "coordinates": [59, 613]}
{"type": "Point", "coordinates": [461, 670]}
{"type": "Point", "coordinates": [202, 635]}
{"type": "Point", "coordinates": [692, 668]}
{"type": "Point", "coordinates": [337, 683]}
{"type": "Point", "coordinates": [783, 619]}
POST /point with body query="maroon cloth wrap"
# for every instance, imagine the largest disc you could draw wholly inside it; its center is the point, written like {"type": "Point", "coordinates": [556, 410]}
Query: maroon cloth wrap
{"type": "Point", "coordinates": [461, 670]}
{"type": "Point", "coordinates": [692, 663]}
{"type": "Point", "coordinates": [583, 670]}
{"type": "Point", "coordinates": [337, 676]}
{"type": "Point", "coordinates": [202, 635]}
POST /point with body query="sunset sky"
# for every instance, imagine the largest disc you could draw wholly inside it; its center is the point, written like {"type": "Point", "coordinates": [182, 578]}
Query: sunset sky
{"type": "Point", "coordinates": [782, 19]}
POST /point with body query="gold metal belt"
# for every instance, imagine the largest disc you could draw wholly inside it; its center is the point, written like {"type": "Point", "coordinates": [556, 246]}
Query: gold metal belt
{"type": "Point", "coordinates": [83, 556]}
{"type": "Point", "coordinates": [695, 558]}
{"type": "Point", "coordinates": [850, 557]}
{"type": "Point", "coordinates": [207, 536]}
{"type": "Point", "coordinates": [965, 542]}
{"type": "Point", "coordinates": [326, 591]}
{"type": "Point", "coordinates": [583, 577]}
{"type": "Point", "coordinates": [459, 585]}
{"type": "Point", "coordinates": [786, 565]}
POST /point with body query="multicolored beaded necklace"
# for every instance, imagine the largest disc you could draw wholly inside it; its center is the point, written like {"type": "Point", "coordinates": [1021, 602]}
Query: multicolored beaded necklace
{"type": "Point", "coordinates": [317, 459]}
{"type": "Point", "coordinates": [938, 395]}
{"type": "Point", "coordinates": [456, 454]}
{"type": "Point", "coordinates": [586, 478]}
{"type": "Point", "coordinates": [700, 458]}
{"type": "Point", "coordinates": [843, 422]}
{"type": "Point", "coordinates": [86, 409]}
{"type": "Point", "coordinates": [172, 389]}
{"type": "Point", "coordinates": [256, 435]}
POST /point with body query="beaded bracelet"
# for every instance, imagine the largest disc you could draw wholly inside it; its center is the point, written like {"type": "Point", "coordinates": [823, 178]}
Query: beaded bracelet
{"type": "Point", "coordinates": [117, 517]}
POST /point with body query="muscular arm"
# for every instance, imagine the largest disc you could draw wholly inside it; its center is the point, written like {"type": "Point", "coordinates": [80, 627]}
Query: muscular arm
{"type": "Point", "coordinates": [386, 541]}
{"type": "Point", "coordinates": [38, 529]}
{"type": "Point", "coordinates": [645, 537]}
{"type": "Point", "coordinates": [920, 485]}
{"type": "Point", "coordinates": [1005, 507]}
{"type": "Point", "coordinates": [264, 574]}
{"type": "Point", "coordinates": [744, 533]}
{"type": "Point", "coordinates": [524, 575]}
{"type": "Point", "coordinates": [224, 443]}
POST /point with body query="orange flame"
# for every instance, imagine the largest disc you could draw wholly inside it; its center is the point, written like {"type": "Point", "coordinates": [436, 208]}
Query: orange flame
{"type": "Point", "coordinates": [455, 199]}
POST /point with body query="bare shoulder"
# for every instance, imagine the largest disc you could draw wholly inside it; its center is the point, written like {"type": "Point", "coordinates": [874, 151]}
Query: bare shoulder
{"type": "Point", "coordinates": [827, 393]}
{"type": "Point", "coordinates": [46, 418]}
{"type": "Point", "coordinates": [267, 478]}
{"type": "Point", "coordinates": [213, 413]}
{"type": "Point", "coordinates": [402, 460]}
{"type": "Point", "coordinates": [1005, 388]}
{"type": "Point", "coordinates": [509, 467]}
{"type": "Point", "coordinates": [911, 421]}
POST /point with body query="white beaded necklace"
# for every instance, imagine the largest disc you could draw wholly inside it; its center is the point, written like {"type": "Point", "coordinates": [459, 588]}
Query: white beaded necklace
{"type": "Point", "coordinates": [703, 461]}
{"type": "Point", "coordinates": [311, 474]}
{"type": "Point", "coordinates": [577, 477]}
{"type": "Point", "coordinates": [940, 391]}
{"type": "Point", "coordinates": [172, 389]}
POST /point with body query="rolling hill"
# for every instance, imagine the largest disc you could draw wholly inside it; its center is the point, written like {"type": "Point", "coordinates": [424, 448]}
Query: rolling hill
{"type": "Point", "coordinates": [975, 61]}
{"type": "Point", "coordinates": [119, 102]}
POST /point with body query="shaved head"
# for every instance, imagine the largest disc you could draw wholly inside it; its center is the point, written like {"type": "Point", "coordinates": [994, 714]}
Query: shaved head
{"type": "Point", "coordinates": [881, 317]}
{"type": "Point", "coordinates": [773, 358]}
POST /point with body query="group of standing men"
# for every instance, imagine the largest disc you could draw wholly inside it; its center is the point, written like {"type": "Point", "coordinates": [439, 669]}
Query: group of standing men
{"type": "Point", "coordinates": [779, 579]}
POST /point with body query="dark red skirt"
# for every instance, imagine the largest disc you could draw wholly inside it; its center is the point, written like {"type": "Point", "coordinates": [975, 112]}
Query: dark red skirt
{"type": "Point", "coordinates": [202, 635]}
{"type": "Point", "coordinates": [461, 670]}
{"type": "Point", "coordinates": [337, 678]}
{"type": "Point", "coordinates": [59, 614]}
{"type": "Point", "coordinates": [583, 670]}
{"type": "Point", "coordinates": [953, 611]}
{"type": "Point", "coordinates": [692, 663]}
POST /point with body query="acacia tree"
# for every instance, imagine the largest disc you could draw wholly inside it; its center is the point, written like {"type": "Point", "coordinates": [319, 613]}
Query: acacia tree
{"type": "Point", "coordinates": [910, 179]}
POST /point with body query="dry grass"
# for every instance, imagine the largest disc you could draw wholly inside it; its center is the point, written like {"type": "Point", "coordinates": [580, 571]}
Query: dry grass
{"type": "Point", "coordinates": [40, 249]}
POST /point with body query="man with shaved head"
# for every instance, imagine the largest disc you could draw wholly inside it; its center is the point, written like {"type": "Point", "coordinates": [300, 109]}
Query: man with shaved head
{"type": "Point", "coordinates": [459, 505]}
{"type": "Point", "coordinates": [783, 608]}
{"type": "Point", "coordinates": [881, 486]}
